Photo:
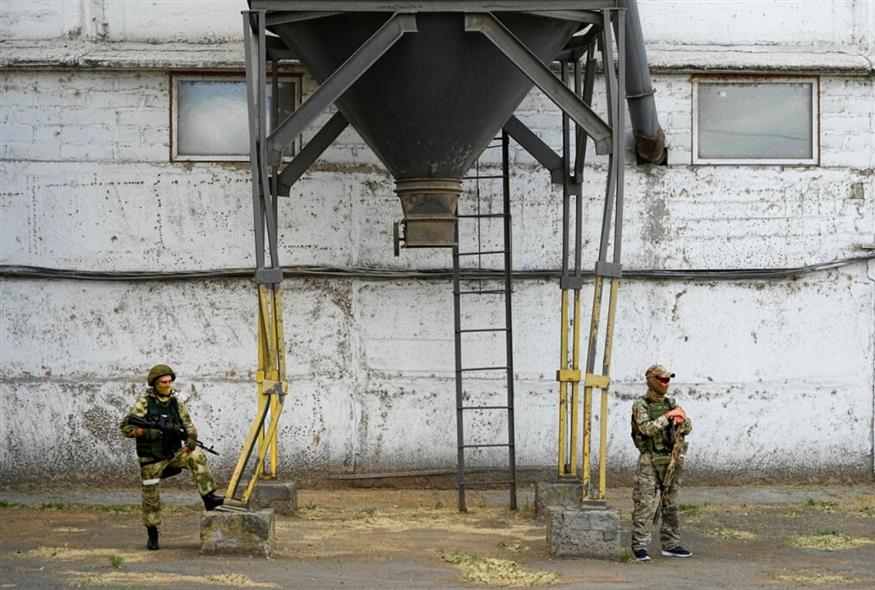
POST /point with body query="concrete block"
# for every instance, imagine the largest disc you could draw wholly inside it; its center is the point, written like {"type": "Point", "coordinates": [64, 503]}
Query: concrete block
{"type": "Point", "coordinates": [556, 494]}
{"type": "Point", "coordinates": [591, 531]}
{"type": "Point", "coordinates": [238, 533]}
{"type": "Point", "coordinates": [279, 496]}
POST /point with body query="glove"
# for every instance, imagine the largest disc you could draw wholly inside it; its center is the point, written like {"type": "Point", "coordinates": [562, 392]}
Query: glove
{"type": "Point", "coordinates": [148, 433]}
{"type": "Point", "coordinates": [191, 443]}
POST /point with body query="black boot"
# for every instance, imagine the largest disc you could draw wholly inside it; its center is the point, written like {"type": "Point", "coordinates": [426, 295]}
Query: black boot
{"type": "Point", "coordinates": [153, 538]}
{"type": "Point", "coordinates": [212, 501]}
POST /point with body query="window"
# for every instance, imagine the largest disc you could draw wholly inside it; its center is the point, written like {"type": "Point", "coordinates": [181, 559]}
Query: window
{"type": "Point", "coordinates": [210, 117]}
{"type": "Point", "coordinates": [755, 121]}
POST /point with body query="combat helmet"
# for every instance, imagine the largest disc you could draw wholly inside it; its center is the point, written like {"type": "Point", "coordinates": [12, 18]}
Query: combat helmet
{"type": "Point", "coordinates": [159, 371]}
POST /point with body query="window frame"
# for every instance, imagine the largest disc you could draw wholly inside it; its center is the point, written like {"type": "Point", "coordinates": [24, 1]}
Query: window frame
{"type": "Point", "coordinates": [175, 77]}
{"type": "Point", "coordinates": [696, 80]}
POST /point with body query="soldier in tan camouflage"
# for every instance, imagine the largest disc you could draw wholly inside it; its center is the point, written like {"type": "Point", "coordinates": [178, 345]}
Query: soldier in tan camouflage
{"type": "Point", "coordinates": [162, 454]}
{"type": "Point", "coordinates": [654, 416]}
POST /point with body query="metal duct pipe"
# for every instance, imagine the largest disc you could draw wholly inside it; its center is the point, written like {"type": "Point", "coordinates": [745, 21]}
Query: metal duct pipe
{"type": "Point", "coordinates": [649, 137]}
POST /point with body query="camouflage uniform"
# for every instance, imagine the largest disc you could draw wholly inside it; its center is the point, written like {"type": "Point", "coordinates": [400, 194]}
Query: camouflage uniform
{"type": "Point", "coordinates": [152, 470]}
{"type": "Point", "coordinates": [651, 432]}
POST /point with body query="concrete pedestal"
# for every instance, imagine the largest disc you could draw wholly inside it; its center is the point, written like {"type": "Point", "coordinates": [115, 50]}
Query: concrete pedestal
{"type": "Point", "coordinates": [556, 494]}
{"type": "Point", "coordinates": [279, 496]}
{"type": "Point", "coordinates": [238, 533]}
{"type": "Point", "coordinates": [588, 531]}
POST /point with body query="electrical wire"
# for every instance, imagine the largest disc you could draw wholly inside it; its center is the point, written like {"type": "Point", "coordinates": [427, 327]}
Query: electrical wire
{"type": "Point", "coordinates": [390, 274]}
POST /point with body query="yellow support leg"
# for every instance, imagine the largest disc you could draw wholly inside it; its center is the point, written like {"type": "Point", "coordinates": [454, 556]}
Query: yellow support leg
{"type": "Point", "coordinates": [271, 389]}
{"type": "Point", "coordinates": [606, 371]}
{"type": "Point", "coordinates": [563, 387]}
{"type": "Point", "coordinates": [575, 385]}
{"type": "Point", "coordinates": [588, 385]}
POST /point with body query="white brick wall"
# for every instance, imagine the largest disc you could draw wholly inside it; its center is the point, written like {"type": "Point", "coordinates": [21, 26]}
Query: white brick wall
{"type": "Point", "coordinates": [85, 183]}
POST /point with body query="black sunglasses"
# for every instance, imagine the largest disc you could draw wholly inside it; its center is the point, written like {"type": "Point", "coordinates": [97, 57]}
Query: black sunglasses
{"type": "Point", "coordinates": [663, 379]}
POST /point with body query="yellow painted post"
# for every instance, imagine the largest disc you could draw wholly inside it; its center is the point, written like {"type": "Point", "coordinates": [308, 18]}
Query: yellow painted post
{"type": "Point", "coordinates": [606, 371]}
{"type": "Point", "coordinates": [587, 390]}
{"type": "Point", "coordinates": [280, 377]}
{"type": "Point", "coordinates": [563, 387]}
{"type": "Point", "coordinates": [575, 385]}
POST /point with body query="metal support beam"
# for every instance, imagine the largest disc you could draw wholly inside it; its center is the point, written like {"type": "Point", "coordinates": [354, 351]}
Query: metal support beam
{"type": "Point", "coordinates": [338, 82]}
{"type": "Point", "coordinates": [536, 147]}
{"type": "Point", "coordinates": [543, 78]}
{"type": "Point", "coordinates": [311, 152]}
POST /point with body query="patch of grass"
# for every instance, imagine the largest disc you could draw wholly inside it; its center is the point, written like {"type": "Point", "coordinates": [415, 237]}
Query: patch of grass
{"type": "Point", "coordinates": [437, 505]}
{"type": "Point", "coordinates": [828, 506]}
{"type": "Point", "coordinates": [310, 505]}
{"type": "Point", "coordinates": [828, 541]}
{"type": "Point", "coordinates": [692, 509]}
{"type": "Point", "coordinates": [115, 561]}
{"type": "Point", "coordinates": [369, 511]}
{"type": "Point", "coordinates": [52, 506]}
{"type": "Point", "coordinates": [626, 556]}
{"type": "Point", "coordinates": [492, 571]}
{"type": "Point", "coordinates": [814, 579]}
{"type": "Point", "coordinates": [733, 534]}
{"type": "Point", "coordinates": [5, 504]}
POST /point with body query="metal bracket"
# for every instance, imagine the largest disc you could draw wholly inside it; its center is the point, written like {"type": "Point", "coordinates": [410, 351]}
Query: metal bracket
{"type": "Point", "coordinates": [598, 381]}
{"type": "Point", "coordinates": [268, 276]}
{"type": "Point", "coordinates": [529, 64]}
{"type": "Point", "coordinates": [568, 375]}
{"type": "Point", "coordinates": [571, 282]}
{"type": "Point", "coordinates": [608, 269]}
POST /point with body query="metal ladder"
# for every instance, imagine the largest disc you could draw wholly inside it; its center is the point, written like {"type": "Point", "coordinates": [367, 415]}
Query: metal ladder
{"type": "Point", "coordinates": [472, 287]}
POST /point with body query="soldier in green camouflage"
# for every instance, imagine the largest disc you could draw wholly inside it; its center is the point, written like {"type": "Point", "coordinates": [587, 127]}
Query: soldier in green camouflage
{"type": "Point", "coordinates": [654, 417]}
{"type": "Point", "coordinates": [162, 454]}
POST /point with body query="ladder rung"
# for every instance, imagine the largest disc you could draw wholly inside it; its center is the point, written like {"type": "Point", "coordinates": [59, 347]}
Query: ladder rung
{"type": "Point", "coordinates": [483, 292]}
{"type": "Point", "coordinates": [486, 408]}
{"type": "Point", "coordinates": [485, 446]}
{"type": "Point", "coordinates": [481, 216]}
{"type": "Point", "coordinates": [466, 484]}
{"type": "Point", "coordinates": [484, 253]}
{"type": "Point", "coordinates": [482, 330]}
{"type": "Point", "coordinates": [484, 369]}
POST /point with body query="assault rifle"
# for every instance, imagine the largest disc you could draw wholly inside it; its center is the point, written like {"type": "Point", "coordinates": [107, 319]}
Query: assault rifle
{"type": "Point", "coordinates": [180, 433]}
{"type": "Point", "coordinates": [677, 451]}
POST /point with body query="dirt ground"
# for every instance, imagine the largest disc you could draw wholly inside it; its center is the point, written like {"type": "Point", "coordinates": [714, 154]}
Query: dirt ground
{"type": "Point", "coordinates": [761, 537]}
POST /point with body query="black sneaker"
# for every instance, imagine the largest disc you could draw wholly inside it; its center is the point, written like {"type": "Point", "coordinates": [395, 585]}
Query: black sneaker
{"type": "Point", "coordinates": [641, 554]}
{"type": "Point", "coordinates": [677, 551]}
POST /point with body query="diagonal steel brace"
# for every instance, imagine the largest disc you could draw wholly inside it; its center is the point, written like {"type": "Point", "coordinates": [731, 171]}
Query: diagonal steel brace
{"type": "Point", "coordinates": [338, 82]}
{"type": "Point", "coordinates": [537, 72]}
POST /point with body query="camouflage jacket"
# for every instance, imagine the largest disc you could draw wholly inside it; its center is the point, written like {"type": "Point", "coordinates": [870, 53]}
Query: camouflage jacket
{"type": "Point", "coordinates": [141, 407]}
{"type": "Point", "coordinates": [653, 427]}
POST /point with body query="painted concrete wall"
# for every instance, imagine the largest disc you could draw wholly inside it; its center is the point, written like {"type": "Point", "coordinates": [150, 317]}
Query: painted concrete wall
{"type": "Point", "coordinates": [777, 375]}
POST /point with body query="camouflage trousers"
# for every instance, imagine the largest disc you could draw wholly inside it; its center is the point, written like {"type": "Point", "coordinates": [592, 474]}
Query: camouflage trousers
{"type": "Point", "coordinates": [195, 461]}
{"type": "Point", "coordinates": [648, 480]}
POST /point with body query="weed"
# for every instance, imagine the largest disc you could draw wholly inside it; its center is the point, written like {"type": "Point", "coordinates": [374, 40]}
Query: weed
{"type": "Point", "coordinates": [369, 511]}
{"type": "Point", "coordinates": [437, 505]}
{"type": "Point", "coordinates": [727, 533]}
{"type": "Point", "coordinates": [828, 541]}
{"type": "Point", "coordinates": [115, 561]}
{"type": "Point", "coordinates": [497, 572]}
{"type": "Point", "coordinates": [5, 504]}
{"type": "Point", "coordinates": [310, 505]}
{"type": "Point", "coordinates": [827, 506]}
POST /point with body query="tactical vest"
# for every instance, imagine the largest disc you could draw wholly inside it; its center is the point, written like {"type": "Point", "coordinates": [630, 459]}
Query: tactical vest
{"type": "Point", "coordinates": [661, 443]}
{"type": "Point", "coordinates": [166, 446]}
